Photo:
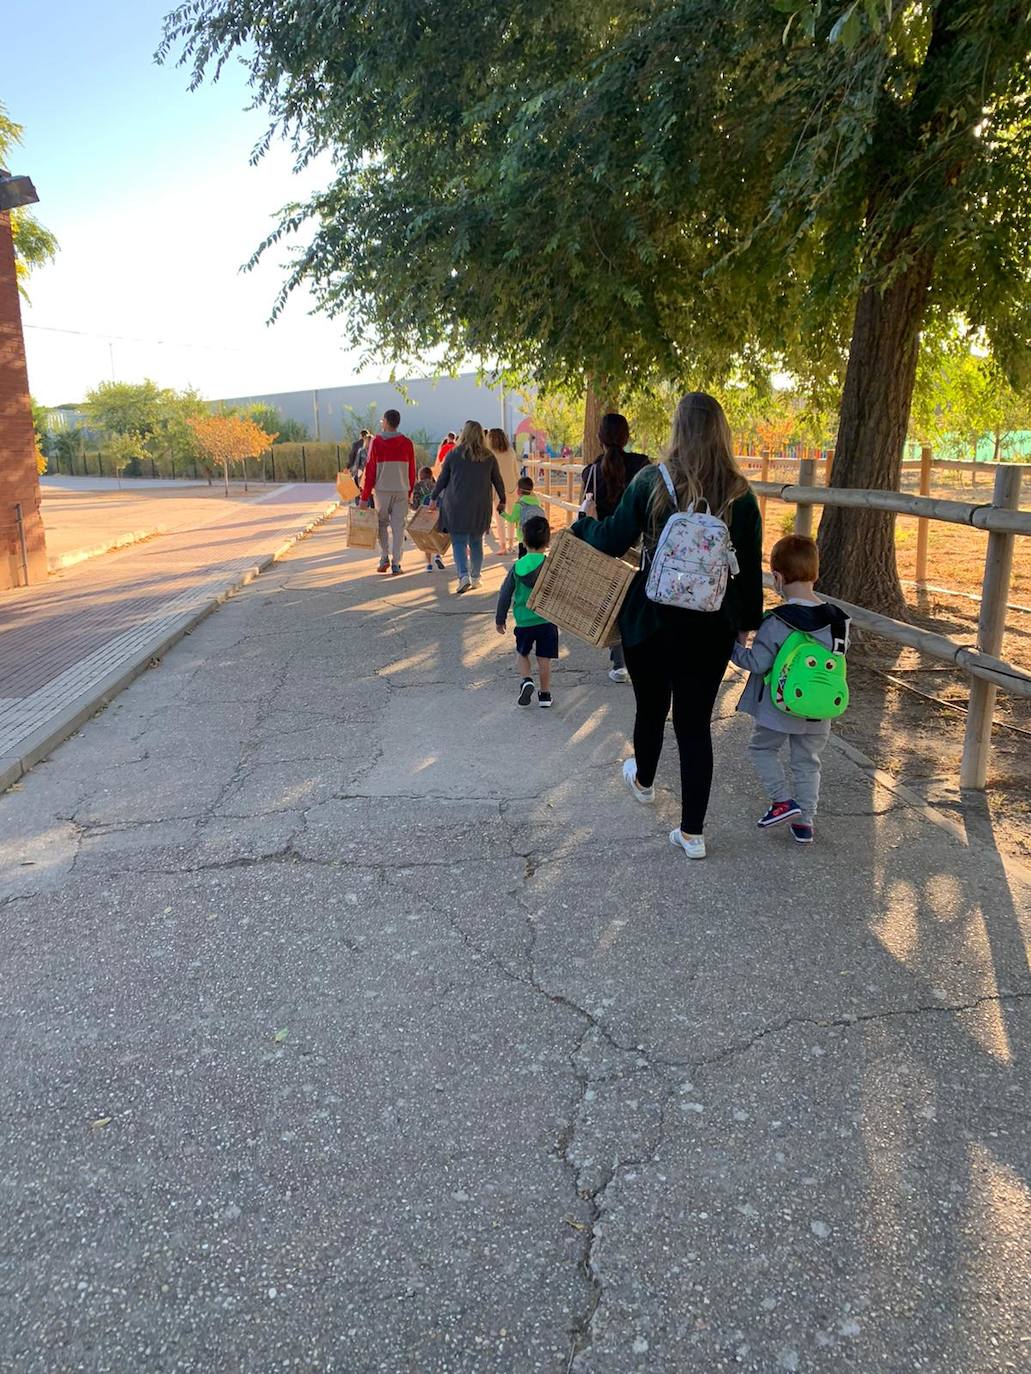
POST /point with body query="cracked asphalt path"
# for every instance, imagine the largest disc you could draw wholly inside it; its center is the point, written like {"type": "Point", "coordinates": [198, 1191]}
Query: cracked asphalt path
{"type": "Point", "coordinates": [353, 1019]}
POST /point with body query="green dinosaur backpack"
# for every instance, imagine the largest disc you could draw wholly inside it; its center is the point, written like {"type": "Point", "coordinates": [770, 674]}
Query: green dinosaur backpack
{"type": "Point", "coordinates": [807, 679]}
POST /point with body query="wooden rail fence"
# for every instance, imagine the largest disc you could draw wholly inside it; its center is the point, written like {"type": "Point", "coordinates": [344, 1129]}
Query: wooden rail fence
{"type": "Point", "coordinates": [1002, 521]}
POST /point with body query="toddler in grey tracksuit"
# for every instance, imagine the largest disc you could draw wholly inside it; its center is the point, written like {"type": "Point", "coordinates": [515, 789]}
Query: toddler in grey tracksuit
{"type": "Point", "coordinates": [795, 565]}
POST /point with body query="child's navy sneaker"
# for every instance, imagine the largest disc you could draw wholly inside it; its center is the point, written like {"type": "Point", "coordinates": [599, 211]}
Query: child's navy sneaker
{"type": "Point", "coordinates": [778, 813]}
{"type": "Point", "coordinates": [525, 692]}
{"type": "Point", "coordinates": [802, 832]}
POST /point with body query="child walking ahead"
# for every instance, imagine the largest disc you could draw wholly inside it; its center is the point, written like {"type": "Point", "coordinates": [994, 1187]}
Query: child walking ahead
{"type": "Point", "coordinates": [421, 494]}
{"type": "Point", "coordinates": [531, 630]}
{"type": "Point", "coordinates": [525, 507]}
{"type": "Point", "coordinates": [795, 564]}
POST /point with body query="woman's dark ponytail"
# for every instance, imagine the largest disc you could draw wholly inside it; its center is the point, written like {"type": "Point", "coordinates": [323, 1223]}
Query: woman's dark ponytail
{"type": "Point", "coordinates": [613, 435]}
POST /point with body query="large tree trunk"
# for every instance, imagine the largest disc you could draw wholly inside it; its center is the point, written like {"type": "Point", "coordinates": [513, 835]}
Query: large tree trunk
{"type": "Point", "coordinates": [857, 548]}
{"type": "Point", "coordinates": [593, 411]}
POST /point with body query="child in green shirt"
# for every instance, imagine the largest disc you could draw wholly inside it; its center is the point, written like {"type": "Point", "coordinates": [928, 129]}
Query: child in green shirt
{"type": "Point", "coordinates": [525, 507]}
{"type": "Point", "coordinates": [532, 631]}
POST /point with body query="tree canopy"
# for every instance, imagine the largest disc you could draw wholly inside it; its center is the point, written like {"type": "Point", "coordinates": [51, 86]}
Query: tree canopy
{"type": "Point", "coordinates": [156, 419]}
{"type": "Point", "coordinates": [579, 191]}
{"type": "Point", "coordinates": [639, 189]}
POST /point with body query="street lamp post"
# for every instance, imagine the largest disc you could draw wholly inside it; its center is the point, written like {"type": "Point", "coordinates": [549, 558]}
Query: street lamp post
{"type": "Point", "coordinates": [23, 554]}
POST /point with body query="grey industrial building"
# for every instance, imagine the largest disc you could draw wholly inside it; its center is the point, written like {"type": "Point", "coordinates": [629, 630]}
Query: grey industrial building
{"type": "Point", "coordinates": [434, 405]}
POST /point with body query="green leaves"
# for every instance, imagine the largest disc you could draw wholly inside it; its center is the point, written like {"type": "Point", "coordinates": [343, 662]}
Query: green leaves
{"type": "Point", "coordinates": [574, 192]}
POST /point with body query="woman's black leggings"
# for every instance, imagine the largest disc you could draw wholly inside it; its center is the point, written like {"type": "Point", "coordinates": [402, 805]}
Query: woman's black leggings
{"type": "Point", "coordinates": [685, 666]}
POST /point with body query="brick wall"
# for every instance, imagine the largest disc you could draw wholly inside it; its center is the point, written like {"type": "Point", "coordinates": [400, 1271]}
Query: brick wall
{"type": "Point", "coordinates": [19, 481]}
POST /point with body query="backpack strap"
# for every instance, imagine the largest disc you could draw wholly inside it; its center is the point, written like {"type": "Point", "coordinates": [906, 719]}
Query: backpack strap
{"type": "Point", "coordinates": [835, 620]}
{"type": "Point", "coordinates": [669, 485]}
{"type": "Point", "coordinates": [838, 628]}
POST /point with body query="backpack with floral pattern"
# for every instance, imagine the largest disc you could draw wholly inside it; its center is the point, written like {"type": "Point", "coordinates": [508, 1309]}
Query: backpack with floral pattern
{"type": "Point", "coordinates": [693, 560]}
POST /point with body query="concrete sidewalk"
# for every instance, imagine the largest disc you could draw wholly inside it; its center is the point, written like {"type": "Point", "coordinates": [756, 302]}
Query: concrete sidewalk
{"type": "Point", "coordinates": [353, 1019]}
{"type": "Point", "coordinates": [70, 644]}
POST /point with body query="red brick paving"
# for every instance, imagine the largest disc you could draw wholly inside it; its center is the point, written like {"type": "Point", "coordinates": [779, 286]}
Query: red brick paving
{"type": "Point", "coordinates": [45, 630]}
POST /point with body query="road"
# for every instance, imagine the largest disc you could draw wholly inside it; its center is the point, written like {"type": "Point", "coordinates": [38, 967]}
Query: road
{"type": "Point", "coordinates": [354, 1019]}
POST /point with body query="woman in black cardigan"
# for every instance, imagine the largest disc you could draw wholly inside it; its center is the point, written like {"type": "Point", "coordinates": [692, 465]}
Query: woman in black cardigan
{"type": "Point", "coordinates": [604, 481]}
{"type": "Point", "coordinates": [675, 655]}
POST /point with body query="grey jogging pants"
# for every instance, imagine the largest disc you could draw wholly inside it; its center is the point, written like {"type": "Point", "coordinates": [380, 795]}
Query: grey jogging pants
{"type": "Point", "coordinates": [804, 756]}
{"type": "Point", "coordinates": [392, 509]}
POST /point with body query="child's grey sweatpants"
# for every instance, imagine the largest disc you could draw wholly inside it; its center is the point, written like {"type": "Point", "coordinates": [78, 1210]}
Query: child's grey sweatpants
{"type": "Point", "coordinates": [804, 758]}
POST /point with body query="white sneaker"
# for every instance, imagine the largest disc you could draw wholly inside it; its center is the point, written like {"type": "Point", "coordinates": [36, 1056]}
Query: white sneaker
{"type": "Point", "coordinates": [474, 582]}
{"type": "Point", "coordinates": [692, 845]}
{"type": "Point", "coordinates": [643, 794]}
{"type": "Point", "coordinates": [619, 675]}
{"type": "Point", "coordinates": [463, 586]}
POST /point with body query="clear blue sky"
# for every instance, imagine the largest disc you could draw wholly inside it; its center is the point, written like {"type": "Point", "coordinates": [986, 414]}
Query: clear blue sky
{"type": "Point", "coordinates": [148, 189]}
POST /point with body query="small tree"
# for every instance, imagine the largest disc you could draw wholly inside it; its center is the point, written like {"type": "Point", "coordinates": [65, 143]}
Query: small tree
{"type": "Point", "coordinates": [229, 439]}
{"type": "Point", "coordinates": [292, 431]}
{"type": "Point", "coordinates": [352, 423]}
{"type": "Point", "coordinates": [123, 450]}
{"type": "Point", "coordinates": [559, 414]}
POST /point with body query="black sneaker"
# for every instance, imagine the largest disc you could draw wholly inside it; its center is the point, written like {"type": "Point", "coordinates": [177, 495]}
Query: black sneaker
{"type": "Point", "coordinates": [526, 692]}
{"type": "Point", "coordinates": [544, 699]}
{"type": "Point", "coordinates": [395, 571]}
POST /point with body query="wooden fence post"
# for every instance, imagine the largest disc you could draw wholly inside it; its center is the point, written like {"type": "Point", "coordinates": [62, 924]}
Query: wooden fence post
{"type": "Point", "coordinates": [922, 524]}
{"type": "Point", "coordinates": [304, 464]}
{"type": "Point", "coordinates": [764, 476]}
{"type": "Point", "coordinates": [991, 626]}
{"type": "Point", "coordinates": [569, 495]}
{"type": "Point", "coordinates": [804, 514]}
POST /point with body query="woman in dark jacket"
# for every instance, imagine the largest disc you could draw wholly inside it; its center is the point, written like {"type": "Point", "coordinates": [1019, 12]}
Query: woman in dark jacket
{"type": "Point", "coordinates": [465, 482]}
{"type": "Point", "coordinates": [605, 480]}
{"type": "Point", "coordinates": [672, 654]}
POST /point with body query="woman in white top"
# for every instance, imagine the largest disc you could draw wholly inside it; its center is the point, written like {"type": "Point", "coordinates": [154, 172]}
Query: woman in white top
{"type": "Point", "coordinates": [508, 463]}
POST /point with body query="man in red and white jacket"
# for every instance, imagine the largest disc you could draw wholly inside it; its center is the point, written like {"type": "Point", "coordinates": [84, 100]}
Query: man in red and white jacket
{"type": "Point", "coordinates": [390, 476]}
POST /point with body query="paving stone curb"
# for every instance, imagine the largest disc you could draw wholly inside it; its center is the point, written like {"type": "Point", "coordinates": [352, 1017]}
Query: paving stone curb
{"type": "Point", "coordinates": [121, 541]}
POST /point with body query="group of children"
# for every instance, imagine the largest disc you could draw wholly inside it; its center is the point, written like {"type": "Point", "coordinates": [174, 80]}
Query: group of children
{"type": "Point", "coordinates": [795, 663]}
{"type": "Point", "coordinates": [815, 678]}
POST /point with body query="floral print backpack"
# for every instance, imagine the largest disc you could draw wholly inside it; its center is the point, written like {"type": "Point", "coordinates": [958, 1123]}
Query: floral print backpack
{"type": "Point", "coordinates": [693, 559]}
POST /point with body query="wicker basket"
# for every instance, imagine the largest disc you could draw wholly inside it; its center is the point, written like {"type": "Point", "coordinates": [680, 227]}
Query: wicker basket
{"type": "Point", "coordinates": [423, 532]}
{"type": "Point", "coordinates": [362, 527]}
{"type": "Point", "coordinates": [582, 590]}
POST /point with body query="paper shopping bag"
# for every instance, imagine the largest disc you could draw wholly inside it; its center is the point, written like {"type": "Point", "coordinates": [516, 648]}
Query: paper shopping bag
{"type": "Point", "coordinates": [347, 487]}
{"type": "Point", "coordinates": [362, 528]}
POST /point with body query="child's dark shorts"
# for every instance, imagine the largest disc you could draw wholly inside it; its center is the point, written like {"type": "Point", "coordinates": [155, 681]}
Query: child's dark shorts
{"type": "Point", "coordinates": [542, 637]}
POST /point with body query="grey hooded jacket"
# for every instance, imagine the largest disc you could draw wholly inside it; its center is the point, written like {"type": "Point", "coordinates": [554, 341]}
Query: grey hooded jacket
{"type": "Point", "coordinates": [820, 621]}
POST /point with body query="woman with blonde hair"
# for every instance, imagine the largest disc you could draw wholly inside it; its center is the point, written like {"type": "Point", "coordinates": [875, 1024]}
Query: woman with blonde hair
{"type": "Point", "coordinates": [470, 471]}
{"type": "Point", "coordinates": [508, 465]}
{"type": "Point", "coordinates": [676, 655]}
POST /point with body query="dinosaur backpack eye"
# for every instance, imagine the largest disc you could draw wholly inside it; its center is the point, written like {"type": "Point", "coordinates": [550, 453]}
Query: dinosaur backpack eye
{"type": "Point", "coordinates": [810, 662]}
{"type": "Point", "coordinates": [829, 665]}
